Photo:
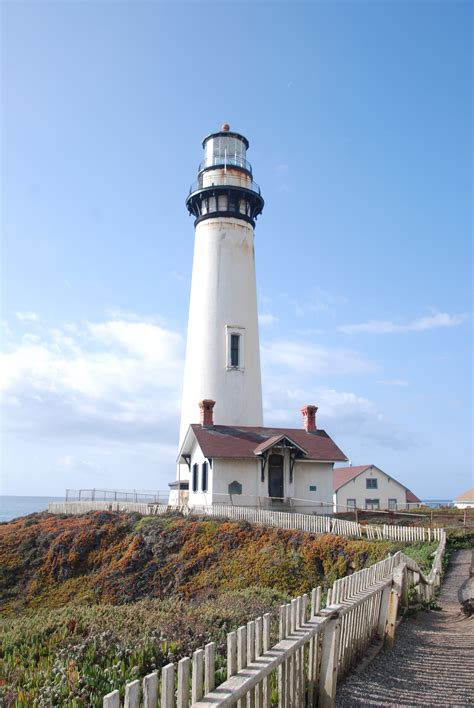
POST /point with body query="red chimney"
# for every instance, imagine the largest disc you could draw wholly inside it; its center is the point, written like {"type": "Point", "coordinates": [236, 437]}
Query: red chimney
{"type": "Point", "coordinates": [206, 407]}
{"type": "Point", "coordinates": [309, 418]}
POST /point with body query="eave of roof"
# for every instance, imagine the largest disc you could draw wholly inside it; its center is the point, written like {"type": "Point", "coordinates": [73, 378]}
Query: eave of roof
{"type": "Point", "coordinates": [342, 475]}
{"type": "Point", "coordinates": [220, 441]}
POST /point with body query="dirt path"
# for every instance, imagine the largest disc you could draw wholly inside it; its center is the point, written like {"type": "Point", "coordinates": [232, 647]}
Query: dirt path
{"type": "Point", "coordinates": [432, 662]}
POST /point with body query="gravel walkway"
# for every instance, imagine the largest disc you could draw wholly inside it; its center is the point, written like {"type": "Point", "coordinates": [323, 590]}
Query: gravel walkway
{"type": "Point", "coordinates": [432, 661]}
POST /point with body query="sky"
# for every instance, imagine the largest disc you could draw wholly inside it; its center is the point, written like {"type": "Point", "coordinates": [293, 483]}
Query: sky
{"type": "Point", "coordinates": [359, 117]}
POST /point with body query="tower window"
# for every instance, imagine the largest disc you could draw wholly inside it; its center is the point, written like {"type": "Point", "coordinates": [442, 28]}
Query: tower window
{"type": "Point", "coordinates": [204, 477]}
{"type": "Point", "coordinates": [234, 349]}
{"type": "Point", "coordinates": [195, 477]}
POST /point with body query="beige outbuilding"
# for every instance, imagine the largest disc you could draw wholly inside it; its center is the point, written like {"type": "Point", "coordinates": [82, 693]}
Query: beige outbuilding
{"type": "Point", "coordinates": [465, 500]}
{"type": "Point", "coordinates": [369, 487]}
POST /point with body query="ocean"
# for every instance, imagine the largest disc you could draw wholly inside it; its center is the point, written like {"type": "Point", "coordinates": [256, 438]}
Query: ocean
{"type": "Point", "coordinates": [13, 507]}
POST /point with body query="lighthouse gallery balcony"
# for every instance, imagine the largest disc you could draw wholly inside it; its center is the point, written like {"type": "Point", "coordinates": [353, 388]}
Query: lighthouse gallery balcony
{"type": "Point", "coordinates": [224, 180]}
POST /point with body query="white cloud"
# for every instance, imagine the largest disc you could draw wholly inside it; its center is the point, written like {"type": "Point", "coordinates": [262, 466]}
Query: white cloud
{"type": "Point", "coordinates": [322, 300]}
{"type": "Point", "coordinates": [315, 359]}
{"type": "Point", "coordinates": [437, 319]}
{"type": "Point", "coordinates": [69, 464]}
{"type": "Point", "coordinates": [266, 319]}
{"type": "Point", "coordinates": [115, 379]}
{"type": "Point", "coordinates": [343, 414]}
{"type": "Point", "coordinates": [27, 316]}
{"type": "Point", "coordinates": [394, 382]}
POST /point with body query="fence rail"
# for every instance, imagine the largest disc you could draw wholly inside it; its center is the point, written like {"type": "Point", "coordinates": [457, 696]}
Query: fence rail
{"type": "Point", "coordinates": [316, 645]}
{"type": "Point", "coordinates": [311, 523]}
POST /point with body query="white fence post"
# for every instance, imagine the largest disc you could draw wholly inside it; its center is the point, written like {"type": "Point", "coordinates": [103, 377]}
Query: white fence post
{"type": "Point", "coordinates": [197, 675]}
{"type": "Point", "coordinates": [209, 667]}
{"type": "Point", "coordinates": [383, 612]}
{"type": "Point", "coordinates": [111, 700]}
{"type": "Point", "coordinates": [132, 694]}
{"type": "Point", "coordinates": [329, 659]}
{"type": "Point", "coordinates": [167, 686]}
{"type": "Point", "coordinates": [150, 690]}
{"type": "Point", "coordinates": [183, 683]}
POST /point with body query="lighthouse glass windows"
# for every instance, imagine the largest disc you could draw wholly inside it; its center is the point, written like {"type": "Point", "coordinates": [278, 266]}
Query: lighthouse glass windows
{"type": "Point", "coordinates": [235, 348]}
{"type": "Point", "coordinates": [225, 150]}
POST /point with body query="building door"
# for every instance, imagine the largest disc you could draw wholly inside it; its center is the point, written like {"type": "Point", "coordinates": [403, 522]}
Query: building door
{"type": "Point", "coordinates": [275, 476]}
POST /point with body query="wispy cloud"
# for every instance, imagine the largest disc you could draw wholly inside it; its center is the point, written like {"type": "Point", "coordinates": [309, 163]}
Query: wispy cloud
{"type": "Point", "coordinates": [267, 319]}
{"type": "Point", "coordinates": [26, 316]}
{"type": "Point", "coordinates": [393, 382]}
{"type": "Point", "coordinates": [70, 464]}
{"type": "Point", "coordinates": [302, 357]}
{"type": "Point", "coordinates": [422, 324]}
{"type": "Point", "coordinates": [323, 300]}
{"type": "Point", "coordinates": [283, 180]}
{"type": "Point", "coordinates": [342, 413]}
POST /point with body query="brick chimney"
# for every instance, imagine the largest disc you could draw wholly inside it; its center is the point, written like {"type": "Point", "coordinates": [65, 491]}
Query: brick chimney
{"type": "Point", "coordinates": [309, 418]}
{"type": "Point", "coordinates": [206, 407]}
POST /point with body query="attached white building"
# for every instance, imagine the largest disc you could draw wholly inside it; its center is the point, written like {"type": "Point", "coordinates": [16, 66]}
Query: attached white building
{"type": "Point", "coordinates": [465, 500]}
{"type": "Point", "coordinates": [257, 466]}
{"type": "Point", "coordinates": [369, 487]}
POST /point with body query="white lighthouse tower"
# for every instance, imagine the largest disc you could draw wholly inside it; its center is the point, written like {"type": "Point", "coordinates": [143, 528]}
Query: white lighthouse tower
{"type": "Point", "coordinates": [223, 353]}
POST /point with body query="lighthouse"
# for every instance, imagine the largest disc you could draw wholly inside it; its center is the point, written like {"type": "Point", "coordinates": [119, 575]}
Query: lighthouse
{"type": "Point", "coordinates": [222, 351]}
{"type": "Point", "coordinates": [226, 455]}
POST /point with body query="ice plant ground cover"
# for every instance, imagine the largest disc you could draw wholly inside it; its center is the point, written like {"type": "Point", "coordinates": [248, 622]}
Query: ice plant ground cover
{"type": "Point", "coordinates": [91, 602]}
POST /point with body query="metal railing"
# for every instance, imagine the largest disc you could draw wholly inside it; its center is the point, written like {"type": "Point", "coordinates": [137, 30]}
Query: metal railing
{"type": "Point", "coordinates": [226, 161]}
{"type": "Point", "coordinates": [229, 181]}
{"type": "Point", "coordinates": [119, 495]}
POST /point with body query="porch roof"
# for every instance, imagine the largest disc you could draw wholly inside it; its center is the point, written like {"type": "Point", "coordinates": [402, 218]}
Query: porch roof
{"type": "Point", "coordinates": [277, 440]}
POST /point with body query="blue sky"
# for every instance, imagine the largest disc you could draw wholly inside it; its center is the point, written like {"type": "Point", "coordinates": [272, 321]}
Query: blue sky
{"type": "Point", "coordinates": [359, 117]}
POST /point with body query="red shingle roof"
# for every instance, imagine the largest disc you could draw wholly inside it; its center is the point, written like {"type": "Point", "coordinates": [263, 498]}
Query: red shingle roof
{"type": "Point", "coordinates": [466, 496]}
{"type": "Point", "coordinates": [412, 498]}
{"type": "Point", "coordinates": [229, 441]}
{"type": "Point", "coordinates": [342, 475]}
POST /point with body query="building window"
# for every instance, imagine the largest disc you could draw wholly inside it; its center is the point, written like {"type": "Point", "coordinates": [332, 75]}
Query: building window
{"type": "Point", "coordinates": [234, 349]}
{"type": "Point", "coordinates": [392, 504]}
{"type": "Point", "coordinates": [195, 477]}
{"type": "Point", "coordinates": [371, 483]}
{"type": "Point", "coordinates": [351, 504]}
{"type": "Point", "coordinates": [312, 487]}
{"type": "Point", "coordinates": [204, 477]}
{"type": "Point", "coordinates": [372, 503]}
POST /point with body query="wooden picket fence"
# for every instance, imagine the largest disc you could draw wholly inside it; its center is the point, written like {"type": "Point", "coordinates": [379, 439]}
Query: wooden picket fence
{"type": "Point", "coordinates": [311, 523]}
{"type": "Point", "coordinates": [316, 646]}
{"type": "Point", "coordinates": [410, 534]}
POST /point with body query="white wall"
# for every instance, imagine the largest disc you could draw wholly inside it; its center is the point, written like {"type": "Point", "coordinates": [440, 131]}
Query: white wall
{"type": "Point", "coordinates": [223, 294]}
{"type": "Point", "coordinates": [248, 473]}
{"type": "Point", "coordinates": [319, 474]}
{"type": "Point", "coordinates": [200, 497]}
{"type": "Point", "coordinates": [357, 489]}
{"type": "Point", "coordinates": [244, 471]}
